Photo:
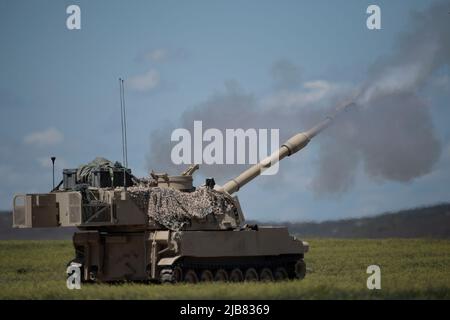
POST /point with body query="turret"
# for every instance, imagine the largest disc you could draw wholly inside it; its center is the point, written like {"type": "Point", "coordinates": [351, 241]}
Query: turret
{"type": "Point", "coordinates": [291, 146]}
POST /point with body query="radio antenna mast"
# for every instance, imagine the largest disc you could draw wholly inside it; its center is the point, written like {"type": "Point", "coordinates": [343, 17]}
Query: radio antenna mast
{"type": "Point", "coordinates": [124, 131]}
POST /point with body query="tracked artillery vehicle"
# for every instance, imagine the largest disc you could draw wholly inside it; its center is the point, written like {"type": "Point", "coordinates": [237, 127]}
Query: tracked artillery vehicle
{"type": "Point", "coordinates": [164, 229]}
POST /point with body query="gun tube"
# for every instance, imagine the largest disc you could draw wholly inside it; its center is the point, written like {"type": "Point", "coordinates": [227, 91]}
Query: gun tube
{"type": "Point", "coordinates": [291, 146]}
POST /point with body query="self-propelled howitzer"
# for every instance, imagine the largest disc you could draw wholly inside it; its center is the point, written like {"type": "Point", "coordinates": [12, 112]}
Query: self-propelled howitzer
{"type": "Point", "coordinates": [164, 229]}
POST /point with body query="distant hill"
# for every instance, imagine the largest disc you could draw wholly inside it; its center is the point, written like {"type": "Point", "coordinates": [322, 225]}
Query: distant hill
{"type": "Point", "coordinates": [429, 222]}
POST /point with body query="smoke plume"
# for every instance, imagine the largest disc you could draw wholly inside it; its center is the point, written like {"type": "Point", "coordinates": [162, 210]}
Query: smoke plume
{"type": "Point", "coordinates": [390, 134]}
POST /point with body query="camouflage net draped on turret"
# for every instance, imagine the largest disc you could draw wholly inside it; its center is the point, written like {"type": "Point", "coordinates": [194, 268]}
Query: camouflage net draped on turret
{"type": "Point", "coordinates": [84, 171]}
{"type": "Point", "coordinates": [174, 209]}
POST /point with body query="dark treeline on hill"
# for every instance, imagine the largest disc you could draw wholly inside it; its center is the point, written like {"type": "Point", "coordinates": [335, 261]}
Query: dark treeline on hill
{"type": "Point", "coordinates": [431, 222]}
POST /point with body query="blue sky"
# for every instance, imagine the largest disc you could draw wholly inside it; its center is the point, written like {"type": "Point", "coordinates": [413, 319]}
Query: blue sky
{"type": "Point", "coordinates": [59, 87]}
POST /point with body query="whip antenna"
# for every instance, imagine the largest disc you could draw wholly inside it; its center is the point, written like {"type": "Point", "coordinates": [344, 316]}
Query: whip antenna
{"type": "Point", "coordinates": [125, 125]}
{"type": "Point", "coordinates": [124, 131]}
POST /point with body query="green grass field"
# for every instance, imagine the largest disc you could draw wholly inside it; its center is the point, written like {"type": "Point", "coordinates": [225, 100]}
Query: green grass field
{"type": "Point", "coordinates": [410, 269]}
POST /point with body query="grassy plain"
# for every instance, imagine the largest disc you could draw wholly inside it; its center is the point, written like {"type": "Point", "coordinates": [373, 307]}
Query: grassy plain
{"type": "Point", "coordinates": [410, 269]}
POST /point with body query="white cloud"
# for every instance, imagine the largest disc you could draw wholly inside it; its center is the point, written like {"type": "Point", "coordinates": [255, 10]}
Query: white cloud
{"type": "Point", "coordinates": [160, 55]}
{"type": "Point", "coordinates": [312, 91]}
{"type": "Point", "coordinates": [157, 55]}
{"type": "Point", "coordinates": [47, 137]}
{"type": "Point", "coordinates": [145, 82]}
{"type": "Point", "coordinates": [320, 85]}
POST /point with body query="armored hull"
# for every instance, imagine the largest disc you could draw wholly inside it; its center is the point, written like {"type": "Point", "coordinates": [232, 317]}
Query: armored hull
{"type": "Point", "coordinates": [268, 253]}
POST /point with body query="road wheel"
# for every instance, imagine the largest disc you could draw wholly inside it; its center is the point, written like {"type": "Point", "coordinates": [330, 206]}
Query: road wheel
{"type": "Point", "coordinates": [236, 275]}
{"type": "Point", "coordinates": [251, 275]}
{"type": "Point", "coordinates": [165, 276]}
{"type": "Point", "coordinates": [190, 276]}
{"type": "Point", "coordinates": [221, 275]}
{"type": "Point", "coordinates": [266, 275]}
{"type": "Point", "coordinates": [280, 274]}
{"type": "Point", "coordinates": [300, 269]}
{"type": "Point", "coordinates": [171, 275]}
{"type": "Point", "coordinates": [177, 275]}
{"type": "Point", "coordinates": [206, 276]}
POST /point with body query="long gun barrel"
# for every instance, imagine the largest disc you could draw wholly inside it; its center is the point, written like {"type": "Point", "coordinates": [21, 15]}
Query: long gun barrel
{"type": "Point", "coordinates": [291, 146]}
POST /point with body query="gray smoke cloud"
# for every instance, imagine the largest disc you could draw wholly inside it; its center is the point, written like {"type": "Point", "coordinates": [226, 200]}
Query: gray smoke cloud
{"type": "Point", "coordinates": [416, 56]}
{"type": "Point", "coordinates": [233, 108]}
{"type": "Point", "coordinates": [390, 134]}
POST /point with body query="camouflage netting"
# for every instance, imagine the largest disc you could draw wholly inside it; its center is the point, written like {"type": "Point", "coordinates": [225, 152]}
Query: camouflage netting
{"type": "Point", "coordinates": [84, 171]}
{"type": "Point", "coordinates": [174, 209]}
